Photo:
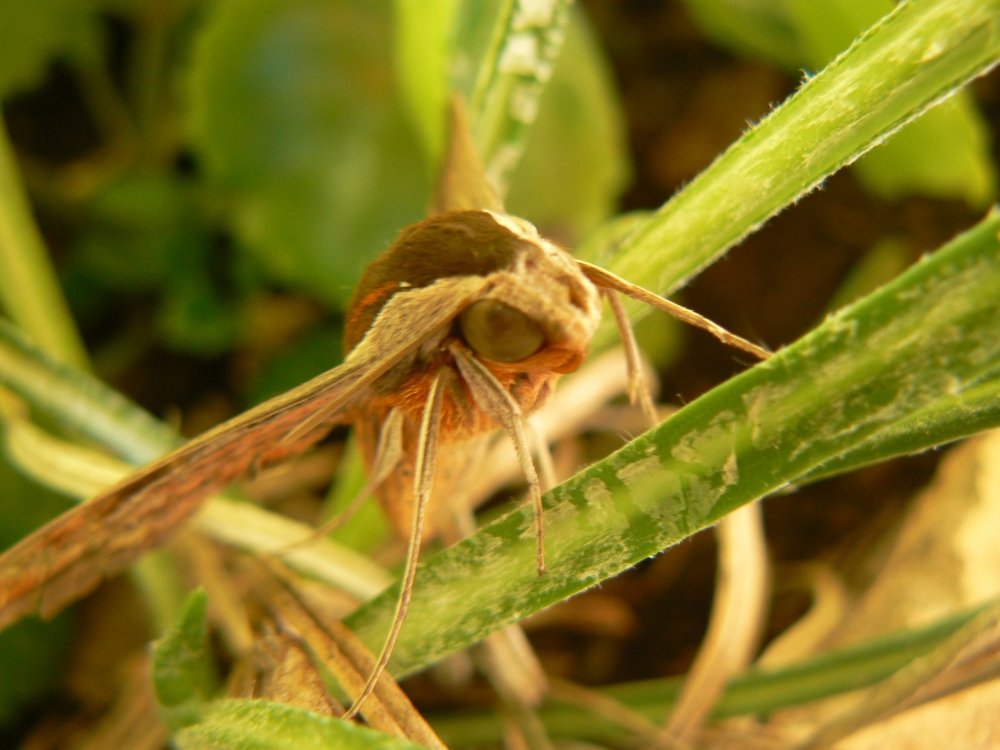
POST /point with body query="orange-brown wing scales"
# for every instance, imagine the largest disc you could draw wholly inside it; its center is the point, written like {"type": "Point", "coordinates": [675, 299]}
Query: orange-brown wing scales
{"type": "Point", "coordinates": [71, 555]}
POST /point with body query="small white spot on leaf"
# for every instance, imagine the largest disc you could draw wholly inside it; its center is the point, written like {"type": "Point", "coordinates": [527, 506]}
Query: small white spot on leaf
{"type": "Point", "coordinates": [524, 103]}
{"type": "Point", "coordinates": [520, 55]}
{"type": "Point", "coordinates": [638, 470]}
{"type": "Point", "coordinates": [731, 470]}
{"type": "Point", "coordinates": [534, 14]}
{"type": "Point", "coordinates": [596, 492]}
{"type": "Point", "coordinates": [934, 49]}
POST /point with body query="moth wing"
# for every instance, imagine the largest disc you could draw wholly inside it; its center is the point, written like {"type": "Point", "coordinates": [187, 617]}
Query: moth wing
{"type": "Point", "coordinates": [72, 554]}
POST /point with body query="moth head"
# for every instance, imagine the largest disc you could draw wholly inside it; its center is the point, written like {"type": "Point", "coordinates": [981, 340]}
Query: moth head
{"type": "Point", "coordinates": [539, 304]}
{"type": "Point", "coordinates": [527, 300]}
{"type": "Point", "coordinates": [500, 332]}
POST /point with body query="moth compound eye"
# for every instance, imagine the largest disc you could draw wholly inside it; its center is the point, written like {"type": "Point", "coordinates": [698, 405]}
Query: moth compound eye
{"type": "Point", "coordinates": [500, 332]}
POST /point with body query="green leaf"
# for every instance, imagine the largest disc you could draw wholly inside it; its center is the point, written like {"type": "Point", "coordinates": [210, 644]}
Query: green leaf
{"type": "Point", "coordinates": [920, 343]}
{"type": "Point", "coordinates": [196, 313]}
{"type": "Point", "coordinates": [577, 143]}
{"type": "Point", "coordinates": [293, 114]}
{"type": "Point", "coordinates": [131, 239]}
{"type": "Point", "coordinates": [147, 234]}
{"type": "Point", "coordinates": [261, 725]}
{"type": "Point", "coordinates": [29, 289]}
{"type": "Point", "coordinates": [34, 32]}
{"type": "Point", "coordinates": [602, 244]}
{"type": "Point", "coordinates": [945, 154]}
{"type": "Point", "coordinates": [920, 53]}
{"type": "Point", "coordinates": [121, 260]}
{"type": "Point", "coordinates": [183, 669]}
{"type": "Point", "coordinates": [972, 411]}
{"type": "Point", "coordinates": [759, 28]}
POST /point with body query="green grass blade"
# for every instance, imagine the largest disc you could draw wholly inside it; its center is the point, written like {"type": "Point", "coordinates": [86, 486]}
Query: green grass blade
{"type": "Point", "coordinates": [927, 337]}
{"type": "Point", "coordinates": [948, 419]}
{"type": "Point", "coordinates": [946, 154]}
{"type": "Point", "coordinates": [916, 56]}
{"type": "Point", "coordinates": [505, 53]}
{"type": "Point", "coordinates": [80, 403]}
{"type": "Point", "coordinates": [29, 290]}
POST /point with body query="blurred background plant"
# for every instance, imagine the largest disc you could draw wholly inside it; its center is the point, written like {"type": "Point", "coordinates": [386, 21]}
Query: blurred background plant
{"type": "Point", "coordinates": [210, 178]}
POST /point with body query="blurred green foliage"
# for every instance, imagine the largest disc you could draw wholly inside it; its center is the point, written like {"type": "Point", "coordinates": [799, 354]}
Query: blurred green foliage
{"type": "Point", "coordinates": [31, 652]}
{"type": "Point", "coordinates": [145, 236]}
{"type": "Point", "coordinates": [32, 34]}
{"type": "Point", "coordinates": [294, 119]}
{"type": "Point", "coordinates": [369, 527]}
{"type": "Point", "coordinates": [280, 154]}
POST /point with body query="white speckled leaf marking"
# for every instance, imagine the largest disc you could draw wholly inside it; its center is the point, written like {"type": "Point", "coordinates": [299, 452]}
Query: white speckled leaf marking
{"type": "Point", "coordinates": [504, 101]}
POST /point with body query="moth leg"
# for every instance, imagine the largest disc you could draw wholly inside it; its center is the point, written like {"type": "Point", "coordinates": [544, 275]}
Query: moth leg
{"type": "Point", "coordinates": [606, 280]}
{"type": "Point", "coordinates": [504, 657]}
{"type": "Point", "coordinates": [388, 452]}
{"type": "Point", "coordinates": [423, 482]}
{"type": "Point", "coordinates": [494, 399]}
{"type": "Point", "coordinates": [256, 467]}
{"type": "Point", "coordinates": [546, 466]}
{"type": "Point", "coordinates": [637, 389]}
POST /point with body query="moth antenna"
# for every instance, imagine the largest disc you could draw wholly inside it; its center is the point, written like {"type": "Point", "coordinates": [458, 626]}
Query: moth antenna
{"type": "Point", "coordinates": [638, 391]}
{"type": "Point", "coordinates": [387, 455]}
{"type": "Point", "coordinates": [606, 280]}
{"type": "Point", "coordinates": [495, 400]}
{"type": "Point", "coordinates": [423, 483]}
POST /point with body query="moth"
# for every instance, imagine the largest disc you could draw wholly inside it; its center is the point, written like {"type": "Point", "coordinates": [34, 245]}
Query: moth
{"type": "Point", "coordinates": [461, 328]}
